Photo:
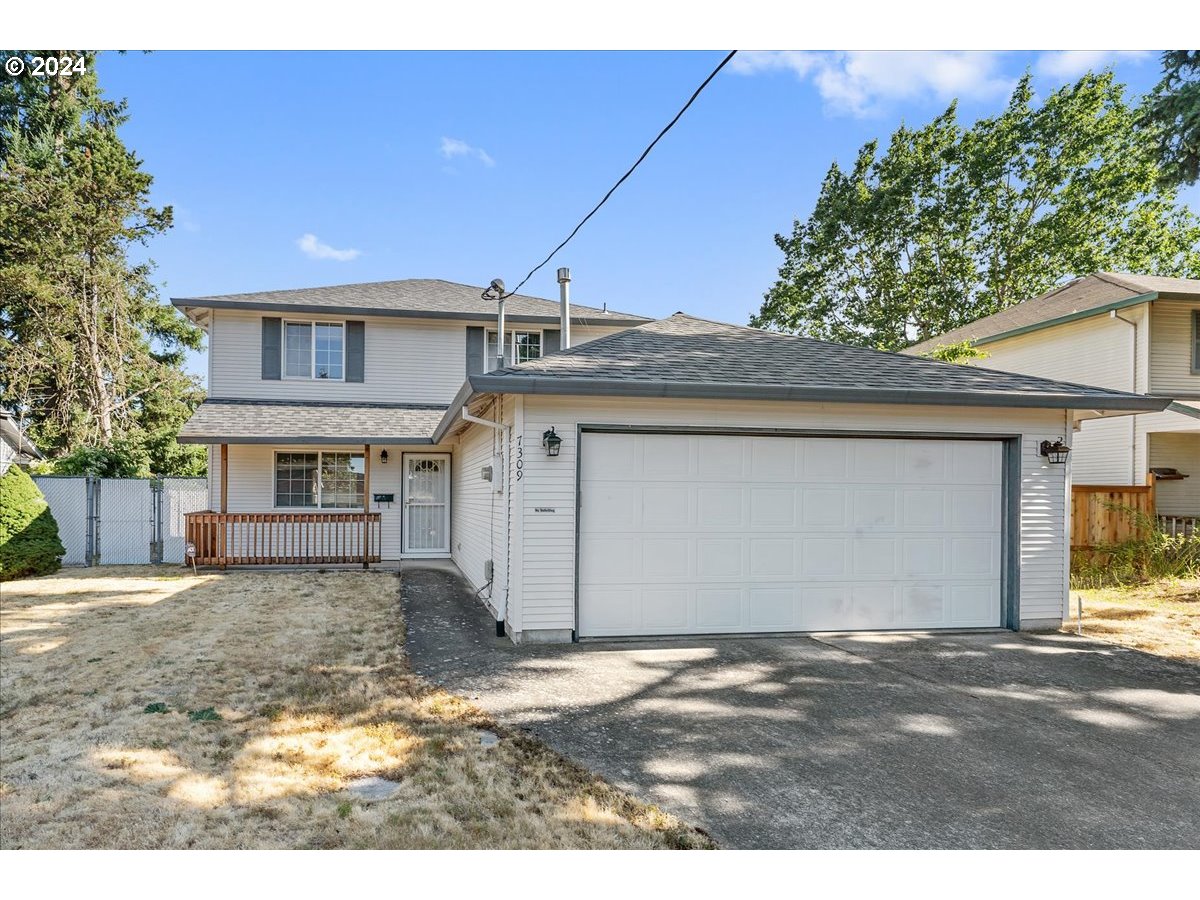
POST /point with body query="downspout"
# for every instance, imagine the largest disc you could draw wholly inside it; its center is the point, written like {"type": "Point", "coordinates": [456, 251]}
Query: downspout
{"type": "Point", "coordinates": [1133, 479]}
{"type": "Point", "coordinates": [499, 597]}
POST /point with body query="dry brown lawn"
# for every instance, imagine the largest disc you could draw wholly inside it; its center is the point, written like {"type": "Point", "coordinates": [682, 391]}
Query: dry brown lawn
{"type": "Point", "coordinates": [308, 675]}
{"type": "Point", "coordinates": [1162, 617]}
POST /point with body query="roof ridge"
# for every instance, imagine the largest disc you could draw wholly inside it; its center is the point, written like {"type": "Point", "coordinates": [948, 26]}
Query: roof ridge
{"type": "Point", "coordinates": [1120, 279]}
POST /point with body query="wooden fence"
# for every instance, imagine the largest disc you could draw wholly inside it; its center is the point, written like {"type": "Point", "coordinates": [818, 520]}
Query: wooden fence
{"type": "Point", "coordinates": [1100, 517]}
{"type": "Point", "coordinates": [264, 539]}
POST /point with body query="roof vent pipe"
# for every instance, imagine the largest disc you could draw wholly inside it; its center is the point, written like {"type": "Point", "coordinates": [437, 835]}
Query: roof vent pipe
{"type": "Point", "coordinates": [564, 301]}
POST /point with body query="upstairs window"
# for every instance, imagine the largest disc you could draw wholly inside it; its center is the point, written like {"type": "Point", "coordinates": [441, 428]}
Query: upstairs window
{"type": "Point", "coordinates": [520, 347]}
{"type": "Point", "coordinates": [314, 350]}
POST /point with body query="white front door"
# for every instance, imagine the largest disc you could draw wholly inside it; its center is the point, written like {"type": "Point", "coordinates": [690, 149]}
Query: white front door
{"type": "Point", "coordinates": [700, 534]}
{"type": "Point", "coordinates": [426, 504]}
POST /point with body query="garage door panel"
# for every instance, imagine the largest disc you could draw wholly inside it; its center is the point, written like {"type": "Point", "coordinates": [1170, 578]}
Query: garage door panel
{"type": "Point", "coordinates": [720, 558]}
{"type": "Point", "coordinates": [874, 461]}
{"type": "Point", "coordinates": [774, 459]}
{"type": "Point", "coordinates": [751, 534]}
{"type": "Point", "coordinates": [875, 508]}
{"type": "Point", "coordinates": [720, 507]}
{"type": "Point", "coordinates": [823, 557]}
{"type": "Point", "coordinates": [824, 507]}
{"type": "Point", "coordinates": [666, 558]}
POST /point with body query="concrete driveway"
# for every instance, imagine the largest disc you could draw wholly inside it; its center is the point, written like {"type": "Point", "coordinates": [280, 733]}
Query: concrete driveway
{"type": "Point", "coordinates": [965, 740]}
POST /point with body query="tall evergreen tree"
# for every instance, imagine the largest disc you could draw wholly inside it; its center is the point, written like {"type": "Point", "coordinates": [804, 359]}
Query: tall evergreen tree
{"type": "Point", "coordinates": [1173, 112]}
{"type": "Point", "coordinates": [89, 354]}
{"type": "Point", "coordinates": [952, 223]}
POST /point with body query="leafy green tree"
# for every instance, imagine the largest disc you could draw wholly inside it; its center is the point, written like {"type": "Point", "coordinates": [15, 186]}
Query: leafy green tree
{"type": "Point", "coordinates": [29, 543]}
{"type": "Point", "coordinates": [963, 352]}
{"type": "Point", "coordinates": [88, 354]}
{"type": "Point", "coordinates": [1172, 110]}
{"type": "Point", "coordinates": [950, 223]}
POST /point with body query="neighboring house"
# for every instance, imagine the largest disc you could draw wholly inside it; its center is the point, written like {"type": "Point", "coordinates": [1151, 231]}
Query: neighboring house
{"type": "Point", "coordinates": [15, 448]}
{"type": "Point", "coordinates": [670, 477]}
{"type": "Point", "coordinates": [1135, 333]}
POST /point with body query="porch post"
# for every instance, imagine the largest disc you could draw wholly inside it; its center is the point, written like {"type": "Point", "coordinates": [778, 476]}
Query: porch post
{"type": "Point", "coordinates": [366, 505]}
{"type": "Point", "coordinates": [224, 501]}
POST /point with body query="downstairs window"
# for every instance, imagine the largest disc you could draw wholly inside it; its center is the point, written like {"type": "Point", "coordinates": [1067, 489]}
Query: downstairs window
{"type": "Point", "coordinates": [319, 480]}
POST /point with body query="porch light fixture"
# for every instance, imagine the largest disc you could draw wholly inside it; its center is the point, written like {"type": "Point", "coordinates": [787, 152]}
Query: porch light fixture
{"type": "Point", "coordinates": [1055, 453]}
{"type": "Point", "coordinates": [551, 441]}
{"type": "Point", "coordinates": [383, 457]}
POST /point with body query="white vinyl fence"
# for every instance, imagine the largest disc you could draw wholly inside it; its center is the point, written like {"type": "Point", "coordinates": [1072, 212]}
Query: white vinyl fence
{"type": "Point", "coordinates": [122, 521]}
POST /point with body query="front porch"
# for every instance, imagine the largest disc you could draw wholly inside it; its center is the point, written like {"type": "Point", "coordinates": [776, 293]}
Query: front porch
{"type": "Point", "coordinates": [320, 484]}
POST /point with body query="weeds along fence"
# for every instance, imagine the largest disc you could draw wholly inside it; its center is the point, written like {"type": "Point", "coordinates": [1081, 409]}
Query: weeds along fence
{"type": "Point", "coordinates": [122, 521]}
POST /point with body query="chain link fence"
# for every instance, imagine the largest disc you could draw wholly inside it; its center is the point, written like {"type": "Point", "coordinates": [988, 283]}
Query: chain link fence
{"type": "Point", "coordinates": [122, 521]}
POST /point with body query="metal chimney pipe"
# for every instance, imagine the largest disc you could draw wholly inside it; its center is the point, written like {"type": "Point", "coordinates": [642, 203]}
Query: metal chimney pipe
{"type": "Point", "coordinates": [564, 302]}
{"type": "Point", "coordinates": [500, 336]}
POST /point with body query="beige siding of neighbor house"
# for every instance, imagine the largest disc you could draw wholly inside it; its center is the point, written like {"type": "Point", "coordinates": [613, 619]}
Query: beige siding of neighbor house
{"type": "Point", "coordinates": [546, 599]}
{"type": "Point", "coordinates": [1099, 351]}
{"type": "Point", "coordinates": [1171, 348]}
{"type": "Point", "coordinates": [406, 360]}
{"type": "Point", "coordinates": [1177, 450]}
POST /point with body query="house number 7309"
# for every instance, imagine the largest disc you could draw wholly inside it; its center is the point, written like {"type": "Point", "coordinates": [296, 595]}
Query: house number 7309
{"type": "Point", "coordinates": [520, 463]}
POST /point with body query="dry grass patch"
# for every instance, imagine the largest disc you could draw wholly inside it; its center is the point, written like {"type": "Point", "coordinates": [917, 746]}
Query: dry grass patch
{"type": "Point", "coordinates": [147, 708]}
{"type": "Point", "coordinates": [1162, 617]}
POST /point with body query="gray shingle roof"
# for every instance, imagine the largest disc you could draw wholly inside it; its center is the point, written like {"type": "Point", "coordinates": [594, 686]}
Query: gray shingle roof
{"type": "Point", "coordinates": [682, 356]}
{"type": "Point", "coordinates": [413, 297]}
{"type": "Point", "coordinates": [1091, 292]}
{"type": "Point", "coordinates": [271, 421]}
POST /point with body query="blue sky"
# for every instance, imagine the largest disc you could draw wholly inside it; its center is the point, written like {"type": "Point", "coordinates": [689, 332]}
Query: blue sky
{"type": "Point", "coordinates": [301, 169]}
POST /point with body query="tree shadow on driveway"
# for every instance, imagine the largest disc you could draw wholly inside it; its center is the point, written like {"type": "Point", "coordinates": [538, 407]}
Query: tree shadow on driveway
{"type": "Point", "coordinates": [875, 740]}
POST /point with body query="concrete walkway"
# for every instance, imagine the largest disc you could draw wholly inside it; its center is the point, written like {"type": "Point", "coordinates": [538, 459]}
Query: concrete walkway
{"type": "Point", "coordinates": [958, 741]}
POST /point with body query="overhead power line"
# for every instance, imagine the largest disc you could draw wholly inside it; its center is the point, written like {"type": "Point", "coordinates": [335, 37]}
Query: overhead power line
{"type": "Point", "coordinates": [621, 180]}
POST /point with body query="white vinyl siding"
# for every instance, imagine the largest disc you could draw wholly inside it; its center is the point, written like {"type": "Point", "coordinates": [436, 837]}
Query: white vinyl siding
{"type": "Point", "coordinates": [406, 361]}
{"type": "Point", "coordinates": [548, 505]}
{"type": "Point", "coordinates": [1172, 348]}
{"type": "Point", "coordinates": [477, 512]}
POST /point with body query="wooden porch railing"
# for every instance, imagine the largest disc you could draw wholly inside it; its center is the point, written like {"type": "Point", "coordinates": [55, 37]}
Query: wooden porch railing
{"type": "Point", "coordinates": [1094, 521]}
{"type": "Point", "coordinates": [265, 539]}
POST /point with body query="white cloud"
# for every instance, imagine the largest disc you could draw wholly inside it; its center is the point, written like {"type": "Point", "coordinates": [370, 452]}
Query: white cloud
{"type": "Point", "coordinates": [860, 82]}
{"type": "Point", "coordinates": [312, 247]}
{"type": "Point", "coordinates": [453, 148]}
{"type": "Point", "coordinates": [1070, 64]}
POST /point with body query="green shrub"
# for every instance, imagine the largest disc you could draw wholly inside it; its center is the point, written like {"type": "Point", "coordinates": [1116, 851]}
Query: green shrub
{"type": "Point", "coordinates": [1152, 556]}
{"type": "Point", "coordinates": [29, 543]}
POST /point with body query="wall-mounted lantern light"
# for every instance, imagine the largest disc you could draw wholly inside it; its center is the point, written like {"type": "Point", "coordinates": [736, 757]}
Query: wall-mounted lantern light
{"type": "Point", "coordinates": [1055, 453]}
{"type": "Point", "coordinates": [383, 457]}
{"type": "Point", "coordinates": [551, 441]}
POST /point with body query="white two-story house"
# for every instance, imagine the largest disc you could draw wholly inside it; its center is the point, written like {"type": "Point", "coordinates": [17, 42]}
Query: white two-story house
{"type": "Point", "coordinates": [1135, 333]}
{"type": "Point", "coordinates": [667, 477]}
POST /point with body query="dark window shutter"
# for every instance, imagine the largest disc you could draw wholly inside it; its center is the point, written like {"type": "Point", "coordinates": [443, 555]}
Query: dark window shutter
{"type": "Point", "coordinates": [272, 332]}
{"type": "Point", "coordinates": [355, 350]}
{"type": "Point", "coordinates": [475, 349]}
{"type": "Point", "coordinates": [551, 341]}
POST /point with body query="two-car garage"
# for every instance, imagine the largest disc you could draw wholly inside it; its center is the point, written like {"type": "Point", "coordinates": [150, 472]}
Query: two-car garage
{"type": "Point", "coordinates": [701, 533]}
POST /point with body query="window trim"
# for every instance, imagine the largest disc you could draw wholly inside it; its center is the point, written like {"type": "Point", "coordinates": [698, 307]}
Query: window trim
{"type": "Point", "coordinates": [1195, 342]}
{"type": "Point", "coordinates": [312, 349]}
{"type": "Point", "coordinates": [511, 356]}
{"type": "Point", "coordinates": [275, 451]}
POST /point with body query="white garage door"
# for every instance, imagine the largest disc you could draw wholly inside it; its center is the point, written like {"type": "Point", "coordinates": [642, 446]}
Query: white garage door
{"type": "Point", "coordinates": [704, 534]}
